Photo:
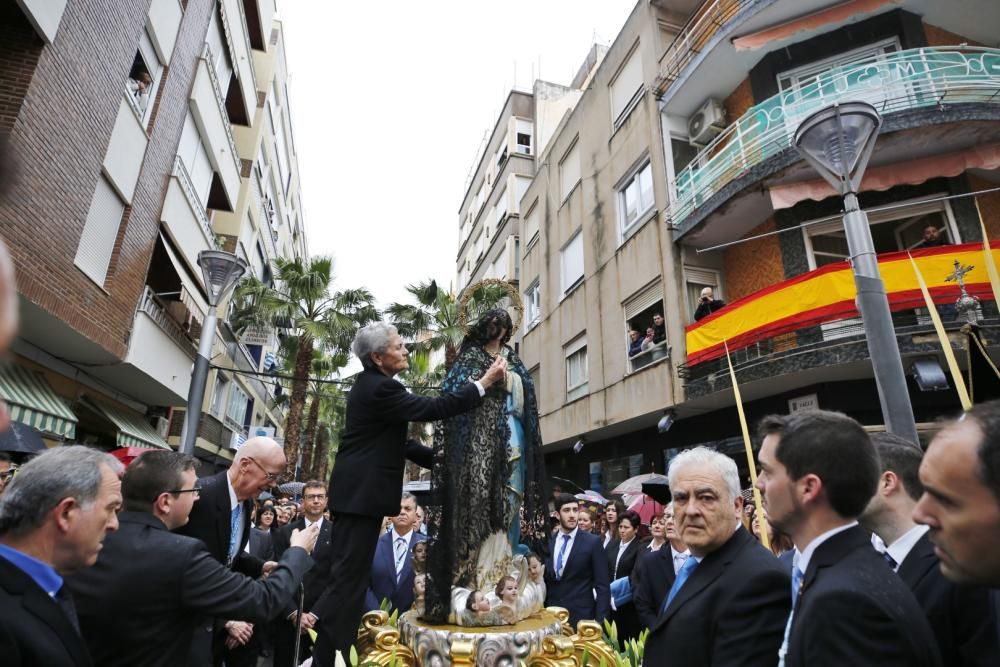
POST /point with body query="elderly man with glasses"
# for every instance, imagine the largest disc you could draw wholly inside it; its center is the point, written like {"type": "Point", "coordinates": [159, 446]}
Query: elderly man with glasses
{"type": "Point", "coordinates": [156, 585]}
{"type": "Point", "coordinates": [221, 519]}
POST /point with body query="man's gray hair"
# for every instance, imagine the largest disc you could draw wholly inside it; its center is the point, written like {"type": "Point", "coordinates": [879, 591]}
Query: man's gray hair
{"type": "Point", "coordinates": [409, 496]}
{"type": "Point", "coordinates": [720, 463]}
{"type": "Point", "coordinates": [43, 482]}
{"type": "Point", "coordinates": [372, 338]}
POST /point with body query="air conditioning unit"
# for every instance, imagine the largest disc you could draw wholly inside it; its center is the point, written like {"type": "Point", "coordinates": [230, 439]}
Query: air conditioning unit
{"type": "Point", "coordinates": [706, 124]}
{"type": "Point", "coordinates": [162, 425]}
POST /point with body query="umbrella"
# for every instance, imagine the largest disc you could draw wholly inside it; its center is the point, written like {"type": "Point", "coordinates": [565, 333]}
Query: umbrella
{"type": "Point", "coordinates": [21, 438]}
{"type": "Point", "coordinates": [592, 496]}
{"type": "Point", "coordinates": [633, 485]}
{"type": "Point", "coordinates": [292, 488]}
{"type": "Point", "coordinates": [646, 508]}
{"type": "Point", "coordinates": [657, 490]}
{"type": "Point", "coordinates": [563, 481]}
{"type": "Point", "coordinates": [128, 454]}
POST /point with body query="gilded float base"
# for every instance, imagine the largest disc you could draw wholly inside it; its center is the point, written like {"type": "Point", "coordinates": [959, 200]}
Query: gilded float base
{"type": "Point", "coordinates": [544, 639]}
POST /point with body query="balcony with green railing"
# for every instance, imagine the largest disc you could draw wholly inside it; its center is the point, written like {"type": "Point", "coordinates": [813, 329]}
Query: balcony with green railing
{"type": "Point", "coordinates": [894, 83]}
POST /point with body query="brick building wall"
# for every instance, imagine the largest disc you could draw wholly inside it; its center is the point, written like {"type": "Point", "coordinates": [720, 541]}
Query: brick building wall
{"type": "Point", "coordinates": [738, 101]}
{"type": "Point", "coordinates": [989, 205]}
{"type": "Point", "coordinates": [18, 58]}
{"type": "Point", "coordinates": [940, 37]}
{"type": "Point", "coordinates": [753, 265]}
{"type": "Point", "coordinates": [61, 136]}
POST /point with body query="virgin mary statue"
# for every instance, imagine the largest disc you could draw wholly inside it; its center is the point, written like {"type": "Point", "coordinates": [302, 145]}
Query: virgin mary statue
{"type": "Point", "coordinates": [487, 485]}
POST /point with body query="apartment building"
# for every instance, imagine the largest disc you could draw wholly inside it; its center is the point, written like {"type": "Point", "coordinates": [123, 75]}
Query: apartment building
{"type": "Point", "coordinates": [675, 171]}
{"type": "Point", "coordinates": [123, 119]}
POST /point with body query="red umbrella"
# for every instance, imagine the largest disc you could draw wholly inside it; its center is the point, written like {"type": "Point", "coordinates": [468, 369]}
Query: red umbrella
{"type": "Point", "coordinates": [646, 508]}
{"type": "Point", "coordinates": [128, 454]}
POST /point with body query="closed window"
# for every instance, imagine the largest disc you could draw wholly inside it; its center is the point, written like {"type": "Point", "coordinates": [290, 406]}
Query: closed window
{"type": "Point", "coordinates": [97, 242]}
{"type": "Point", "coordinates": [625, 89]}
{"type": "Point", "coordinates": [569, 172]}
{"type": "Point", "coordinates": [533, 304]}
{"type": "Point", "coordinates": [195, 158]}
{"type": "Point", "coordinates": [501, 207]}
{"type": "Point", "coordinates": [576, 369]}
{"type": "Point", "coordinates": [530, 226]}
{"type": "Point", "coordinates": [571, 262]}
{"type": "Point", "coordinates": [635, 198]}
{"type": "Point", "coordinates": [237, 406]}
{"type": "Point", "coordinates": [219, 394]}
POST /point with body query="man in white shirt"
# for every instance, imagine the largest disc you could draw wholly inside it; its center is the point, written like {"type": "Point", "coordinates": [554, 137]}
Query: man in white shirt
{"type": "Point", "coordinates": [818, 471]}
{"type": "Point", "coordinates": [679, 553]}
{"type": "Point", "coordinates": [576, 574]}
{"type": "Point", "coordinates": [959, 614]}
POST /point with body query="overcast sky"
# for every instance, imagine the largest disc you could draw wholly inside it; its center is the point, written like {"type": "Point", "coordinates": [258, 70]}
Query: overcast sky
{"type": "Point", "coordinates": [390, 104]}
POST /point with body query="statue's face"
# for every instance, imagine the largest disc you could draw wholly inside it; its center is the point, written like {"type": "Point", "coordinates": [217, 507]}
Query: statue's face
{"type": "Point", "coordinates": [535, 569]}
{"type": "Point", "coordinates": [481, 603]}
{"type": "Point", "coordinates": [419, 585]}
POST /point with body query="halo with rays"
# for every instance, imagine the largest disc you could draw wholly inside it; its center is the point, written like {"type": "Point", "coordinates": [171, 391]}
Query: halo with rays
{"type": "Point", "coordinates": [469, 310]}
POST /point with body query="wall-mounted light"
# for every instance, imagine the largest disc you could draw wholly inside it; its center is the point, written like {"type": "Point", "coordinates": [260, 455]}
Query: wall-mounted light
{"type": "Point", "coordinates": [666, 421]}
{"type": "Point", "coordinates": [578, 446]}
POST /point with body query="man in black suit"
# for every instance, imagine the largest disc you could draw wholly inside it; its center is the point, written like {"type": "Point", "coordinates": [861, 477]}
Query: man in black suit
{"type": "Point", "coordinates": [727, 604]}
{"type": "Point", "coordinates": [367, 477]}
{"type": "Point", "coordinates": [53, 519]}
{"type": "Point", "coordinates": [576, 576]}
{"type": "Point", "coordinates": [818, 471]}
{"type": "Point", "coordinates": [392, 568]}
{"type": "Point", "coordinates": [287, 625]}
{"type": "Point", "coordinates": [961, 501]}
{"type": "Point", "coordinates": [221, 519]}
{"type": "Point", "coordinates": [959, 614]}
{"type": "Point", "coordinates": [155, 583]}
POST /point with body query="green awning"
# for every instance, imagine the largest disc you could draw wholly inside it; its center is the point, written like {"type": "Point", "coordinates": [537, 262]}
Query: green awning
{"type": "Point", "coordinates": [133, 431]}
{"type": "Point", "coordinates": [31, 401]}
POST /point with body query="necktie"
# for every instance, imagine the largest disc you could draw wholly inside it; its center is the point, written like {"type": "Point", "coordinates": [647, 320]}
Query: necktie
{"type": "Point", "coordinates": [234, 523]}
{"type": "Point", "coordinates": [796, 589]}
{"type": "Point", "coordinates": [679, 560]}
{"type": "Point", "coordinates": [890, 560]}
{"type": "Point", "coordinates": [65, 602]}
{"type": "Point", "coordinates": [561, 560]}
{"type": "Point", "coordinates": [689, 565]}
{"type": "Point", "coordinates": [400, 555]}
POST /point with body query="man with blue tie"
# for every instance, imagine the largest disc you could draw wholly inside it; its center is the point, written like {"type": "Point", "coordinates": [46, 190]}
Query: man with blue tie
{"type": "Point", "coordinates": [818, 471]}
{"type": "Point", "coordinates": [576, 577]}
{"type": "Point", "coordinates": [392, 568]}
{"type": "Point", "coordinates": [728, 602]}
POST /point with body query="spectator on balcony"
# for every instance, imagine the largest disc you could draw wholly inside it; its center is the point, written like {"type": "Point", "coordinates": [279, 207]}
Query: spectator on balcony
{"type": "Point", "coordinates": [932, 238]}
{"type": "Point", "coordinates": [650, 340]}
{"type": "Point", "coordinates": [659, 328]}
{"type": "Point", "coordinates": [708, 304]}
{"type": "Point", "coordinates": [139, 88]}
{"type": "Point", "coordinates": [635, 342]}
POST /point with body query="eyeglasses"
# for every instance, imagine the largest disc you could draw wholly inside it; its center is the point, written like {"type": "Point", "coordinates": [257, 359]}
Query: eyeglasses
{"type": "Point", "coordinates": [7, 475]}
{"type": "Point", "coordinates": [315, 496]}
{"type": "Point", "coordinates": [196, 491]}
{"type": "Point", "coordinates": [269, 476]}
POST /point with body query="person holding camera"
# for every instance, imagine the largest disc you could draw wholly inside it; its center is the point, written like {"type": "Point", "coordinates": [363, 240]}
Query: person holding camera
{"type": "Point", "coordinates": [707, 304]}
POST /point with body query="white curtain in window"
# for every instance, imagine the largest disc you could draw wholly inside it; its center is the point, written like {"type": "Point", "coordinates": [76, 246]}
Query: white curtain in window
{"type": "Point", "coordinates": [626, 85]}
{"type": "Point", "coordinates": [571, 262]}
{"type": "Point", "coordinates": [569, 172]}
{"type": "Point", "coordinates": [530, 225]}
{"type": "Point", "coordinates": [99, 232]}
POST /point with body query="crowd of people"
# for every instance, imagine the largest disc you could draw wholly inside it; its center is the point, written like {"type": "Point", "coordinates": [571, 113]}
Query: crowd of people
{"type": "Point", "coordinates": [648, 341]}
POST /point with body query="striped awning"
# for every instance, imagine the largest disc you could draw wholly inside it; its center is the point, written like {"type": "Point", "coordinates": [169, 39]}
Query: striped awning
{"type": "Point", "coordinates": [31, 401]}
{"type": "Point", "coordinates": [133, 431]}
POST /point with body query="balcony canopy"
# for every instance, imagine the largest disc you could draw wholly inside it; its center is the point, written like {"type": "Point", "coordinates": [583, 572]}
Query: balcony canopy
{"type": "Point", "coordinates": [133, 431]}
{"type": "Point", "coordinates": [31, 401]}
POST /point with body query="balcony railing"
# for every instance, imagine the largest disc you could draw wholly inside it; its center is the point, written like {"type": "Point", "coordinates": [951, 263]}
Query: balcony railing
{"type": "Point", "coordinates": [156, 309]}
{"type": "Point", "coordinates": [818, 308]}
{"type": "Point", "coordinates": [902, 81]}
{"type": "Point", "coordinates": [648, 356]}
{"type": "Point", "coordinates": [696, 33]}
{"type": "Point", "coordinates": [181, 173]}
{"type": "Point", "coordinates": [220, 97]}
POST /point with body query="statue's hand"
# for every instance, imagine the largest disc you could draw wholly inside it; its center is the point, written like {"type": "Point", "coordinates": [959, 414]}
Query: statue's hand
{"type": "Point", "coordinates": [495, 373]}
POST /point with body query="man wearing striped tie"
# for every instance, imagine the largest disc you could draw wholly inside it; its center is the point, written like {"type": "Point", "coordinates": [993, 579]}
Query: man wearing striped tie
{"type": "Point", "coordinates": [392, 568]}
{"type": "Point", "coordinates": [729, 601]}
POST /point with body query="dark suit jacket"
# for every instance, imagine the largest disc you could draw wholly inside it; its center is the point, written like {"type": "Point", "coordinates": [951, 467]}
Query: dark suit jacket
{"type": "Point", "coordinates": [958, 614]}
{"type": "Point", "coordinates": [584, 573]}
{"type": "Point", "coordinates": [732, 609]}
{"type": "Point", "coordinates": [850, 613]}
{"type": "Point", "coordinates": [209, 522]}
{"type": "Point", "coordinates": [367, 477]}
{"type": "Point", "coordinates": [625, 617]}
{"type": "Point", "coordinates": [261, 546]}
{"type": "Point", "coordinates": [383, 583]}
{"type": "Point", "coordinates": [140, 603]}
{"type": "Point", "coordinates": [316, 578]}
{"type": "Point", "coordinates": [34, 630]}
{"type": "Point", "coordinates": [651, 581]}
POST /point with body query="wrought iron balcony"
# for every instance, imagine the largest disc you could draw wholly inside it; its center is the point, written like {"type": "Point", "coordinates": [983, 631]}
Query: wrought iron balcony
{"type": "Point", "coordinates": [895, 82]}
{"type": "Point", "coordinates": [810, 320]}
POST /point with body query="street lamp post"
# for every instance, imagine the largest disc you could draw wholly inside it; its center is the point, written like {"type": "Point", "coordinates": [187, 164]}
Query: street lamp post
{"type": "Point", "coordinates": [220, 270]}
{"type": "Point", "coordinates": [838, 142]}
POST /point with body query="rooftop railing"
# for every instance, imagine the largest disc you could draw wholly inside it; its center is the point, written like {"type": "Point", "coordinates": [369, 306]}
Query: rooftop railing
{"type": "Point", "coordinates": [696, 33]}
{"type": "Point", "coordinates": [893, 82]}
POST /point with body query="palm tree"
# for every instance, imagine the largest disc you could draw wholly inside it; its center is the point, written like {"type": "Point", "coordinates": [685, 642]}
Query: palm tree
{"type": "Point", "coordinates": [302, 302]}
{"type": "Point", "coordinates": [323, 368]}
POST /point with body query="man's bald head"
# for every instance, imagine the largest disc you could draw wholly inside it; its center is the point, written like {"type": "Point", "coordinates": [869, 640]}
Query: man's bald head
{"type": "Point", "coordinates": [256, 468]}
